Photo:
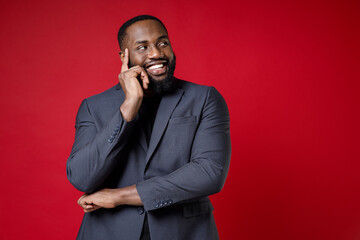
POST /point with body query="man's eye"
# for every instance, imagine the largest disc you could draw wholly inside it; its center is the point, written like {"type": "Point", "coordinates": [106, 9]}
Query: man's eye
{"type": "Point", "coordinates": [163, 44]}
{"type": "Point", "coordinates": [141, 48]}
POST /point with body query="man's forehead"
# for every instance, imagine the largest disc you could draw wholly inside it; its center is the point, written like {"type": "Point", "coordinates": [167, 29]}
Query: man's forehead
{"type": "Point", "coordinates": [145, 30]}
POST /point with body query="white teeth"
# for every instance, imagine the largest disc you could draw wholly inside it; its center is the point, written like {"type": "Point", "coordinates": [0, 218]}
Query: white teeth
{"type": "Point", "coordinates": [156, 66]}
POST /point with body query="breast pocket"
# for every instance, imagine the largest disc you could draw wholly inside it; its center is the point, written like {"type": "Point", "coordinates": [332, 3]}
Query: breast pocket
{"type": "Point", "coordinates": [175, 147]}
{"type": "Point", "coordinates": [180, 132]}
{"type": "Point", "coordinates": [182, 120]}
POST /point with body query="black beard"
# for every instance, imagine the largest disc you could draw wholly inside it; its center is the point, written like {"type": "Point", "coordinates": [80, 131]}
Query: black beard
{"type": "Point", "coordinates": [161, 87]}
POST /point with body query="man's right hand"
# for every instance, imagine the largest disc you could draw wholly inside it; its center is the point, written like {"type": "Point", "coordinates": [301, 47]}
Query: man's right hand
{"type": "Point", "coordinates": [130, 84]}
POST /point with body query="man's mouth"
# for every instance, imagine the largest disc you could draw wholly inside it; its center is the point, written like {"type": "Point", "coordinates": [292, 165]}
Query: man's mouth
{"type": "Point", "coordinates": [157, 69]}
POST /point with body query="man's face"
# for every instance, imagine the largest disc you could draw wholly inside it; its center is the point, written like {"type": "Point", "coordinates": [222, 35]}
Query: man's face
{"type": "Point", "coordinates": [150, 48]}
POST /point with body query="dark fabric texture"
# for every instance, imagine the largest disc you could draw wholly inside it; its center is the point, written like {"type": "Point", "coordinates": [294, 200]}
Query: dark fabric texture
{"type": "Point", "coordinates": [176, 166]}
{"type": "Point", "coordinates": [145, 234]}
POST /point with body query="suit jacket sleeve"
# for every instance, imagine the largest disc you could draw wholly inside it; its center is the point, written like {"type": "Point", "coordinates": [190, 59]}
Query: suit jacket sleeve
{"type": "Point", "coordinates": [207, 169]}
{"type": "Point", "coordinates": [94, 152]}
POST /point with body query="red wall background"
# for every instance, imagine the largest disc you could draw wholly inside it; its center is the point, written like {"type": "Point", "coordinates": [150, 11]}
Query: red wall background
{"type": "Point", "coordinates": [289, 71]}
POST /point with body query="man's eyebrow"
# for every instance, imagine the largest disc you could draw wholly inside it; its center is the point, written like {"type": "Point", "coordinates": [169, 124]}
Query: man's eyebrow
{"type": "Point", "coordinates": [145, 41]}
{"type": "Point", "coordinates": [163, 36]}
{"type": "Point", "coordinates": [141, 42]}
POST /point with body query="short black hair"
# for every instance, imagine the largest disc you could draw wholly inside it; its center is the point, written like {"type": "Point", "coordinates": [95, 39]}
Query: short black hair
{"type": "Point", "coordinates": [128, 23]}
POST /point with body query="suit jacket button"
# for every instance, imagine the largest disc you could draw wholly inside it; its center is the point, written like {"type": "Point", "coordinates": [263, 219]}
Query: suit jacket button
{"type": "Point", "coordinates": [156, 205]}
{"type": "Point", "coordinates": [110, 140]}
{"type": "Point", "coordinates": [170, 201]}
{"type": "Point", "coordinates": [140, 210]}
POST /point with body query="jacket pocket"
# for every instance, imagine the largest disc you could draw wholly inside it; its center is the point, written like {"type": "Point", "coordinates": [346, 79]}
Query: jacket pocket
{"type": "Point", "coordinates": [197, 208]}
{"type": "Point", "coordinates": [178, 120]}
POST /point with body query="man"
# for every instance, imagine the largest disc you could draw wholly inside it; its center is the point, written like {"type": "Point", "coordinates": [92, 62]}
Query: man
{"type": "Point", "coordinates": [149, 151]}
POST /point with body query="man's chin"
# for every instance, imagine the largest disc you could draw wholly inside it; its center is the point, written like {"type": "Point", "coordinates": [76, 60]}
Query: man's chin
{"type": "Point", "coordinates": [161, 85]}
{"type": "Point", "coordinates": [157, 78]}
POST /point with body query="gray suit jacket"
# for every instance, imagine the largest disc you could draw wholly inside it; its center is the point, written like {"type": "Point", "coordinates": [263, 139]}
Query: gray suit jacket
{"type": "Point", "coordinates": [186, 160]}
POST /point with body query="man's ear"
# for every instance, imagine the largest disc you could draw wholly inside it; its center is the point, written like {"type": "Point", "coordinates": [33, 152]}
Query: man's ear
{"type": "Point", "coordinates": [122, 55]}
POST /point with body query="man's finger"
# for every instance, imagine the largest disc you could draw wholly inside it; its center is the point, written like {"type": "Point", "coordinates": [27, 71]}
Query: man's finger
{"type": "Point", "coordinates": [89, 206]}
{"type": "Point", "coordinates": [95, 207]}
{"type": "Point", "coordinates": [125, 61]}
{"type": "Point", "coordinates": [145, 79]}
{"type": "Point", "coordinates": [79, 201]}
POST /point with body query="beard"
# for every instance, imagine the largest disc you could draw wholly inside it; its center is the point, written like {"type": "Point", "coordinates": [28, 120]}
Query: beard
{"type": "Point", "coordinates": [163, 86]}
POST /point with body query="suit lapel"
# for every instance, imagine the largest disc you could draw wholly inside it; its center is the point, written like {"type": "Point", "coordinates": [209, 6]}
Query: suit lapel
{"type": "Point", "coordinates": [166, 108]}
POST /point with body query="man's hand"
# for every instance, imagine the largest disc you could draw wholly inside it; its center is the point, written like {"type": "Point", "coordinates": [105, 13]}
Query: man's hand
{"type": "Point", "coordinates": [104, 198]}
{"type": "Point", "coordinates": [110, 198]}
{"type": "Point", "coordinates": [130, 84]}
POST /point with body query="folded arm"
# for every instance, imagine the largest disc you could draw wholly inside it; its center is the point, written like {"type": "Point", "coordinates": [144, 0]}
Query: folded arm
{"type": "Point", "coordinates": [94, 152]}
{"type": "Point", "coordinates": [204, 175]}
{"type": "Point", "coordinates": [207, 169]}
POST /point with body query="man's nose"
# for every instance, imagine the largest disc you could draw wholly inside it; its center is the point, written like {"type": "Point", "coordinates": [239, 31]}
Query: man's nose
{"type": "Point", "coordinates": [154, 52]}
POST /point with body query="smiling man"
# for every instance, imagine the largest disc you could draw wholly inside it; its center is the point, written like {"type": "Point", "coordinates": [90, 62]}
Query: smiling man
{"type": "Point", "coordinates": [159, 67]}
{"type": "Point", "coordinates": [149, 151]}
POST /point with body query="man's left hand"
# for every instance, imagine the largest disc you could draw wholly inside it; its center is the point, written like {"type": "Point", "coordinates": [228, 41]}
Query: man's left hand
{"type": "Point", "coordinates": [110, 198]}
{"type": "Point", "coordinates": [105, 198]}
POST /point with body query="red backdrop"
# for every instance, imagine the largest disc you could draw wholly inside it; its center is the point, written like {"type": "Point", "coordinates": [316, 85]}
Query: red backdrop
{"type": "Point", "coordinates": [289, 71]}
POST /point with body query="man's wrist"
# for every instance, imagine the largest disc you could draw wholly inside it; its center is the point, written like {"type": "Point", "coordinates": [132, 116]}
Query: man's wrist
{"type": "Point", "coordinates": [130, 108]}
{"type": "Point", "coordinates": [118, 197]}
{"type": "Point", "coordinates": [127, 196]}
